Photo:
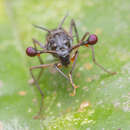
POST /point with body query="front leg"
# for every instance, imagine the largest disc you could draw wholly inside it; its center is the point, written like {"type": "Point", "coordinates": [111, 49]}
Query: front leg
{"type": "Point", "coordinates": [69, 78]}
{"type": "Point", "coordinates": [73, 59]}
{"type": "Point", "coordinates": [57, 67]}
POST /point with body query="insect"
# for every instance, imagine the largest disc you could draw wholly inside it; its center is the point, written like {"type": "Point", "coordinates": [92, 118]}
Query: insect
{"type": "Point", "coordinates": [59, 43]}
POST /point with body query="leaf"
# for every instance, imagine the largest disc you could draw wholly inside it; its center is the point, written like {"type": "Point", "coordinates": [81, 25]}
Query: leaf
{"type": "Point", "coordinates": [102, 101]}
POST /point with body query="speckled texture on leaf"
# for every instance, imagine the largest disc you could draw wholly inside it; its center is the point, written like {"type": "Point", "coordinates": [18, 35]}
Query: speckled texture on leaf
{"type": "Point", "coordinates": [102, 102]}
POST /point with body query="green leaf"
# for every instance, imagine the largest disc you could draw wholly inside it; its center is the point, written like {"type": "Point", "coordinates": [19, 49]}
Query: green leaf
{"type": "Point", "coordinates": [102, 101]}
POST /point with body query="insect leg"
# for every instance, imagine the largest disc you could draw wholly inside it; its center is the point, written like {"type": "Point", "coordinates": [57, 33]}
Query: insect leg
{"type": "Point", "coordinates": [84, 36]}
{"type": "Point", "coordinates": [38, 43]}
{"type": "Point", "coordinates": [42, 28]}
{"type": "Point", "coordinates": [68, 78]}
{"type": "Point", "coordinates": [35, 42]}
{"type": "Point", "coordinates": [62, 22]}
{"type": "Point", "coordinates": [70, 74]}
{"type": "Point", "coordinates": [73, 59]}
{"type": "Point", "coordinates": [62, 73]}
{"type": "Point", "coordinates": [36, 83]}
{"type": "Point", "coordinates": [73, 26]}
{"type": "Point", "coordinates": [100, 66]}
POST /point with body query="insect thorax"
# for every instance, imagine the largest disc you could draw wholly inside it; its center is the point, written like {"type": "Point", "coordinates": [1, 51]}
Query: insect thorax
{"type": "Point", "coordinates": [60, 41]}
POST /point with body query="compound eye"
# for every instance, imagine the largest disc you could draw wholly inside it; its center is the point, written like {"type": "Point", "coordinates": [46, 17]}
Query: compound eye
{"type": "Point", "coordinates": [30, 51]}
{"type": "Point", "coordinates": [92, 39]}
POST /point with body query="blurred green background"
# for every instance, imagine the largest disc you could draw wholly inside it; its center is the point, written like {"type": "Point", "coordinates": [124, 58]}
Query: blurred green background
{"type": "Point", "coordinates": [102, 101]}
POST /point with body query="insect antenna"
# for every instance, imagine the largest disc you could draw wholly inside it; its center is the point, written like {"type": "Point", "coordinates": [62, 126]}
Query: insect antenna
{"type": "Point", "coordinates": [62, 22]}
{"type": "Point", "coordinates": [42, 28]}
